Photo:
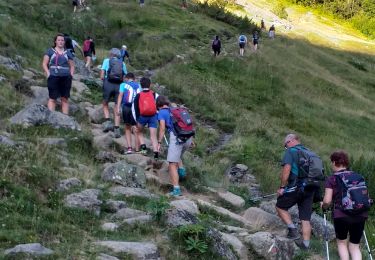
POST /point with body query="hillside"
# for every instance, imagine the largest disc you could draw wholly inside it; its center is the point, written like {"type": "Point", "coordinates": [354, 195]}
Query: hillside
{"type": "Point", "coordinates": [316, 79]}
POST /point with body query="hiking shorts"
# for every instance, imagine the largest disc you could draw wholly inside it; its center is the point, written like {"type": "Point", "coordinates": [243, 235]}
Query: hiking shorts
{"type": "Point", "coordinates": [352, 225]}
{"type": "Point", "coordinates": [242, 45]}
{"type": "Point", "coordinates": [59, 86]}
{"type": "Point", "coordinates": [216, 51]}
{"type": "Point", "coordinates": [75, 2]}
{"type": "Point", "coordinates": [151, 121]}
{"type": "Point", "coordinates": [127, 115]}
{"type": "Point", "coordinates": [175, 149]}
{"type": "Point", "coordinates": [304, 200]}
{"type": "Point", "coordinates": [255, 42]}
{"type": "Point", "coordinates": [87, 54]}
{"type": "Point", "coordinates": [110, 90]}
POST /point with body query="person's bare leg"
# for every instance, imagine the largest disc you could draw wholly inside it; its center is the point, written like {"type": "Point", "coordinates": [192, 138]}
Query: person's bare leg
{"type": "Point", "coordinates": [128, 135]}
{"type": "Point", "coordinates": [306, 230]}
{"type": "Point", "coordinates": [284, 215]}
{"type": "Point", "coordinates": [51, 104]}
{"type": "Point", "coordinates": [154, 141]}
{"type": "Point", "coordinates": [354, 251]}
{"type": "Point", "coordinates": [65, 105]}
{"type": "Point", "coordinates": [172, 168]}
{"type": "Point", "coordinates": [140, 134]}
{"type": "Point", "coordinates": [342, 248]}
{"type": "Point", "coordinates": [105, 109]}
{"type": "Point", "coordinates": [117, 119]}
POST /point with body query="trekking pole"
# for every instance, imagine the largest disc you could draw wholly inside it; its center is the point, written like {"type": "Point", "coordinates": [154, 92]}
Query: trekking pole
{"type": "Point", "coordinates": [166, 141]}
{"type": "Point", "coordinates": [326, 234]}
{"type": "Point", "coordinates": [367, 245]}
{"type": "Point", "coordinates": [263, 197]}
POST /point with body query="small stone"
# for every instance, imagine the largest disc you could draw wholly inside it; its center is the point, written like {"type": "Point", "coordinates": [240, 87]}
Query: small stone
{"type": "Point", "coordinates": [87, 199]}
{"type": "Point", "coordinates": [110, 227]}
{"type": "Point", "coordinates": [232, 199]}
{"type": "Point", "coordinates": [115, 205]}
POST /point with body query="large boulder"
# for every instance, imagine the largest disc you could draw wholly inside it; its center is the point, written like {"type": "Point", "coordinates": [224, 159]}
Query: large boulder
{"type": "Point", "coordinates": [96, 113]}
{"type": "Point", "coordinates": [9, 64]}
{"type": "Point", "coordinates": [263, 220]}
{"type": "Point", "coordinates": [269, 246]}
{"type": "Point", "coordinates": [238, 247]}
{"type": "Point", "coordinates": [232, 199]}
{"type": "Point", "coordinates": [103, 141]}
{"type": "Point", "coordinates": [106, 257]}
{"type": "Point", "coordinates": [87, 199]}
{"type": "Point", "coordinates": [35, 114]}
{"type": "Point", "coordinates": [126, 213]}
{"type": "Point", "coordinates": [40, 95]}
{"type": "Point", "coordinates": [139, 250]}
{"type": "Point", "coordinates": [34, 249]}
{"type": "Point", "coordinates": [187, 205]}
{"type": "Point", "coordinates": [179, 217]}
{"type": "Point", "coordinates": [124, 174]}
{"type": "Point", "coordinates": [220, 246]}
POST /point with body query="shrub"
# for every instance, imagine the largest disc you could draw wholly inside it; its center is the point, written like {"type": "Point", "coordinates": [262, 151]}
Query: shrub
{"type": "Point", "coordinates": [194, 238]}
{"type": "Point", "coordinates": [157, 208]}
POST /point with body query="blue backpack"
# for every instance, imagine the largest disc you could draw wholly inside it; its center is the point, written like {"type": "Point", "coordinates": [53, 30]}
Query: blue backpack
{"type": "Point", "coordinates": [129, 96]}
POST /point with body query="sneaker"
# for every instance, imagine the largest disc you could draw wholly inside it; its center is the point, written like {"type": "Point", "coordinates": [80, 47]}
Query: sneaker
{"type": "Point", "coordinates": [293, 233]}
{"type": "Point", "coordinates": [129, 151]}
{"type": "Point", "coordinates": [107, 126]}
{"type": "Point", "coordinates": [301, 245]}
{"type": "Point", "coordinates": [117, 132]}
{"type": "Point", "coordinates": [181, 173]}
{"type": "Point", "coordinates": [175, 193]}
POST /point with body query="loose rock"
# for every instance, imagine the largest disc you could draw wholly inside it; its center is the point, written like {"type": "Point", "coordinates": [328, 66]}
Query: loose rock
{"type": "Point", "coordinates": [232, 199]}
{"type": "Point", "coordinates": [87, 199]}
{"type": "Point", "coordinates": [131, 192]}
{"type": "Point", "coordinates": [34, 249]}
{"type": "Point", "coordinates": [110, 227]}
{"type": "Point", "coordinates": [186, 205]}
{"type": "Point", "coordinates": [220, 246]}
{"type": "Point", "coordinates": [115, 205]}
{"type": "Point", "coordinates": [263, 220]}
{"type": "Point", "coordinates": [236, 244]}
{"type": "Point", "coordinates": [65, 185]}
{"type": "Point", "coordinates": [140, 250]}
{"type": "Point", "coordinates": [105, 157]}
{"type": "Point", "coordinates": [178, 217]}
{"type": "Point", "coordinates": [124, 174]}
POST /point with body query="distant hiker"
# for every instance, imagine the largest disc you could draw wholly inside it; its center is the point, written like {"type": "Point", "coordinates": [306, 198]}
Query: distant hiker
{"type": "Point", "coordinates": [168, 117]}
{"type": "Point", "coordinates": [58, 67]}
{"type": "Point", "coordinates": [71, 44]}
{"type": "Point", "coordinates": [216, 46]}
{"type": "Point", "coordinates": [128, 90]}
{"type": "Point", "coordinates": [346, 220]}
{"type": "Point", "coordinates": [124, 53]}
{"type": "Point", "coordinates": [271, 32]}
{"type": "Point", "coordinates": [75, 3]}
{"type": "Point", "coordinates": [293, 189]}
{"type": "Point", "coordinates": [88, 51]}
{"type": "Point", "coordinates": [242, 41]}
{"type": "Point", "coordinates": [146, 114]}
{"type": "Point", "coordinates": [112, 73]}
{"type": "Point", "coordinates": [262, 25]}
{"type": "Point", "coordinates": [141, 3]}
{"type": "Point", "coordinates": [183, 4]}
{"type": "Point", "coordinates": [255, 40]}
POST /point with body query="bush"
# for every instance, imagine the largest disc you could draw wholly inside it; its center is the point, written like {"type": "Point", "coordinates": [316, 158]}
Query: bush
{"type": "Point", "coordinates": [157, 208]}
{"type": "Point", "coordinates": [194, 238]}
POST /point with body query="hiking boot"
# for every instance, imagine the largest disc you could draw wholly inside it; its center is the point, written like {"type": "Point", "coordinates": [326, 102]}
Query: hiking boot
{"type": "Point", "coordinates": [117, 132]}
{"type": "Point", "coordinates": [293, 233]}
{"type": "Point", "coordinates": [129, 151]}
{"type": "Point", "coordinates": [181, 173]}
{"type": "Point", "coordinates": [107, 126]}
{"type": "Point", "coordinates": [175, 193]}
{"type": "Point", "coordinates": [301, 245]}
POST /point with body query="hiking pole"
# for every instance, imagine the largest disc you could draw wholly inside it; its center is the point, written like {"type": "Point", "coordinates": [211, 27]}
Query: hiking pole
{"type": "Point", "coordinates": [367, 245]}
{"type": "Point", "coordinates": [263, 197]}
{"type": "Point", "coordinates": [326, 234]}
{"type": "Point", "coordinates": [166, 141]}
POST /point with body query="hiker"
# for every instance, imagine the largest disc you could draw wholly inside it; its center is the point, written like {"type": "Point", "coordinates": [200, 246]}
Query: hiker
{"type": "Point", "coordinates": [141, 3]}
{"type": "Point", "coordinates": [242, 41]}
{"type": "Point", "coordinates": [71, 44]}
{"type": "Point", "coordinates": [343, 222]}
{"type": "Point", "coordinates": [112, 73]}
{"type": "Point", "coordinates": [176, 148]}
{"type": "Point", "coordinates": [255, 40]}
{"type": "Point", "coordinates": [58, 67]}
{"type": "Point", "coordinates": [89, 51]}
{"type": "Point", "coordinates": [292, 191]}
{"type": "Point", "coordinates": [144, 110]}
{"type": "Point", "coordinates": [183, 4]}
{"type": "Point", "coordinates": [124, 53]}
{"type": "Point", "coordinates": [128, 90]}
{"type": "Point", "coordinates": [271, 32]}
{"type": "Point", "coordinates": [216, 46]}
{"type": "Point", "coordinates": [262, 25]}
{"type": "Point", "coordinates": [75, 3]}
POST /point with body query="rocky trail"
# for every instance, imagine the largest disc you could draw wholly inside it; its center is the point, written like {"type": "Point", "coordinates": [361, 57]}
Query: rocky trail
{"type": "Point", "coordinates": [257, 232]}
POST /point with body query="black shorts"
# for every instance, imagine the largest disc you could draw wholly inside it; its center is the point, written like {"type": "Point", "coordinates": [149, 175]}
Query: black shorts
{"type": "Point", "coordinates": [216, 50]}
{"type": "Point", "coordinates": [304, 200]}
{"type": "Point", "coordinates": [127, 115]}
{"type": "Point", "coordinates": [352, 225]}
{"type": "Point", "coordinates": [110, 90]}
{"type": "Point", "coordinates": [75, 2]}
{"type": "Point", "coordinates": [255, 42]}
{"type": "Point", "coordinates": [87, 54]}
{"type": "Point", "coordinates": [242, 45]}
{"type": "Point", "coordinates": [59, 86]}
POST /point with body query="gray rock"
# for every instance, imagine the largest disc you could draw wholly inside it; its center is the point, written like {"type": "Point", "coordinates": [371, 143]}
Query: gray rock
{"type": "Point", "coordinates": [271, 247]}
{"type": "Point", "coordinates": [178, 217]}
{"type": "Point", "coordinates": [126, 213]}
{"type": "Point", "coordinates": [40, 95]}
{"type": "Point", "coordinates": [232, 199]}
{"type": "Point", "coordinates": [186, 205]}
{"type": "Point", "coordinates": [105, 157]}
{"type": "Point", "coordinates": [106, 257]}
{"type": "Point", "coordinates": [220, 246]}
{"type": "Point", "coordinates": [263, 220]}
{"type": "Point", "coordinates": [81, 69]}
{"type": "Point", "coordinates": [239, 174]}
{"type": "Point", "coordinates": [233, 229]}
{"type": "Point", "coordinates": [131, 192]}
{"type": "Point", "coordinates": [65, 185]}
{"type": "Point", "coordinates": [317, 222]}
{"type": "Point", "coordinates": [139, 250]}
{"type": "Point", "coordinates": [79, 87]}
{"type": "Point", "coordinates": [34, 249]}
{"type": "Point", "coordinates": [109, 226]}
{"type": "Point", "coordinates": [4, 140]}
{"type": "Point", "coordinates": [238, 247]}
{"type": "Point", "coordinates": [9, 63]}
{"type": "Point", "coordinates": [63, 160]}
{"type": "Point", "coordinates": [96, 113]}
{"type": "Point", "coordinates": [115, 205]}
{"type": "Point", "coordinates": [87, 199]}
{"type": "Point", "coordinates": [137, 159]}
{"type": "Point", "coordinates": [53, 141]}
{"type": "Point", "coordinates": [34, 115]}
{"type": "Point", "coordinates": [124, 174]}
{"type": "Point", "coordinates": [27, 74]}
{"type": "Point", "coordinates": [103, 141]}
{"type": "Point", "coordinates": [138, 220]}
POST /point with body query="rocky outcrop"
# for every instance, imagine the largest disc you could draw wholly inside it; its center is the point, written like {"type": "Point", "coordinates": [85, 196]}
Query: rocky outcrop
{"type": "Point", "coordinates": [178, 217]}
{"type": "Point", "coordinates": [238, 247]}
{"type": "Point", "coordinates": [65, 185]}
{"type": "Point", "coordinates": [139, 250]}
{"type": "Point", "coordinates": [262, 220]}
{"type": "Point", "coordinates": [124, 174]}
{"type": "Point", "coordinates": [87, 199]}
{"type": "Point", "coordinates": [232, 199]}
{"type": "Point", "coordinates": [34, 249]}
{"type": "Point", "coordinates": [9, 64]}
{"type": "Point", "coordinates": [186, 205]}
{"type": "Point", "coordinates": [35, 115]}
{"type": "Point", "coordinates": [220, 246]}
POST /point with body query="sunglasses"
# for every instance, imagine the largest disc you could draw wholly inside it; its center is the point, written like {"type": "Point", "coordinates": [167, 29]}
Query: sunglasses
{"type": "Point", "coordinates": [286, 143]}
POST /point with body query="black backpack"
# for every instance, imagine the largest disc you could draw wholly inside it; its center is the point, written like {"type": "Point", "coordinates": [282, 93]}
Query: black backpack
{"type": "Point", "coordinates": [310, 168]}
{"type": "Point", "coordinates": [68, 42]}
{"type": "Point", "coordinates": [115, 73]}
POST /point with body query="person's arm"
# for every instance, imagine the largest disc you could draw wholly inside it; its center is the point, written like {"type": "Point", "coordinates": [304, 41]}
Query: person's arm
{"type": "Point", "coordinates": [92, 47]}
{"type": "Point", "coordinates": [161, 132]}
{"type": "Point", "coordinates": [124, 69]}
{"type": "Point", "coordinates": [45, 65]}
{"type": "Point", "coordinates": [71, 67]}
{"type": "Point", "coordinates": [284, 176]}
{"type": "Point", "coordinates": [328, 192]}
{"type": "Point", "coordinates": [119, 101]}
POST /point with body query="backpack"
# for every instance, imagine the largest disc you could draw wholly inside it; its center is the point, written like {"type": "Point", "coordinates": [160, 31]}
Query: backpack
{"type": "Point", "coordinates": [354, 193]}
{"type": "Point", "coordinates": [86, 45]}
{"type": "Point", "coordinates": [115, 73]}
{"type": "Point", "coordinates": [147, 103]}
{"type": "Point", "coordinates": [310, 168]}
{"type": "Point", "coordinates": [56, 64]}
{"type": "Point", "coordinates": [215, 43]}
{"type": "Point", "coordinates": [68, 43]}
{"type": "Point", "coordinates": [242, 38]}
{"type": "Point", "coordinates": [183, 127]}
{"type": "Point", "coordinates": [127, 100]}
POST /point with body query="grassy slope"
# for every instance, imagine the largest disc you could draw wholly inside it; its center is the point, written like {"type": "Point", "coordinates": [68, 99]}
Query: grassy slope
{"type": "Point", "coordinates": [289, 85]}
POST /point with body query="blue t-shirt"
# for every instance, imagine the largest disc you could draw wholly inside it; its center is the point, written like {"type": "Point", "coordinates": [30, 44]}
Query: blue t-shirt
{"type": "Point", "coordinates": [291, 157]}
{"type": "Point", "coordinates": [58, 63]}
{"type": "Point", "coordinates": [165, 114]}
{"type": "Point", "coordinates": [130, 90]}
{"type": "Point", "coordinates": [105, 67]}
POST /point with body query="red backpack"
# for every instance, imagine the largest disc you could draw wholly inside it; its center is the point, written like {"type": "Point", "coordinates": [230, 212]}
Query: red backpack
{"type": "Point", "coordinates": [86, 45]}
{"type": "Point", "coordinates": [147, 103]}
{"type": "Point", "coordinates": [182, 122]}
